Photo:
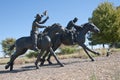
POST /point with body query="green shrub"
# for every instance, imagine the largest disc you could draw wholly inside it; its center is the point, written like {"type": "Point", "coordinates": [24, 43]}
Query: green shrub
{"type": "Point", "coordinates": [68, 50]}
{"type": "Point", "coordinates": [31, 54]}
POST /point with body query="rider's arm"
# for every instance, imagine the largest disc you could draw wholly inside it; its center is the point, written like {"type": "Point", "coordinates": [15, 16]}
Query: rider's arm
{"type": "Point", "coordinates": [78, 28]}
{"type": "Point", "coordinates": [76, 25]}
{"type": "Point", "coordinates": [39, 26]}
{"type": "Point", "coordinates": [42, 22]}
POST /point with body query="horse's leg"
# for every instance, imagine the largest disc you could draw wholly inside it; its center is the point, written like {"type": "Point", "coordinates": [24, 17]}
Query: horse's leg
{"type": "Point", "coordinates": [84, 47]}
{"type": "Point", "coordinates": [10, 63]}
{"type": "Point", "coordinates": [43, 58]}
{"type": "Point", "coordinates": [13, 57]}
{"type": "Point", "coordinates": [108, 52]}
{"type": "Point", "coordinates": [48, 59]}
{"type": "Point", "coordinates": [49, 55]}
{"type": "Point", "coordinates": [92, 51]}
{"type": "Point", "coordinates": [38, 59]}
{"type": "Point", "coordinates": [52, 52]}
{"type": "Point", "coordinates": [55, 46]}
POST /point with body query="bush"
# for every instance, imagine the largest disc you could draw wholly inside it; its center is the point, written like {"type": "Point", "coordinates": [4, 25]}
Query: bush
{"type": "Point", "coordinates": [68, 50]}
{"type": "Point", "coordinates": [32, 54]}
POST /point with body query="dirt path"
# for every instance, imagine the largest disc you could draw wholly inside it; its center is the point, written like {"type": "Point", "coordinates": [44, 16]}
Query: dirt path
{"type": "Point", "coordinates": [104, 68]}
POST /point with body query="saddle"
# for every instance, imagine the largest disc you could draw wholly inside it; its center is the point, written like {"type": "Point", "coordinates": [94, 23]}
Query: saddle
{"type": "Point", "coordinates": [40, 35]}
{"type": "Point", "coordinates": [71, 35]}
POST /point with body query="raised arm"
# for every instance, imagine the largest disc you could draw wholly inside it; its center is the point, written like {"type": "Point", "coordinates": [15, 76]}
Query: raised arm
{"type": "Point", "coordinates": [42, 22]}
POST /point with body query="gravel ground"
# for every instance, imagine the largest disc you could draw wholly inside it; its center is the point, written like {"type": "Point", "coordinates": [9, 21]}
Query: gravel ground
{"type": "Point", "coordinates": [103, 68]}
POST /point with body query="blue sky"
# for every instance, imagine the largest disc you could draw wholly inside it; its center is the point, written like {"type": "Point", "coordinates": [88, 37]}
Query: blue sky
{"type": "Point", "coordinates": [16, 16]}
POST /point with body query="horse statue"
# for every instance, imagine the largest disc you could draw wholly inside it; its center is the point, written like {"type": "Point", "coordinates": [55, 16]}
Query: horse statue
{"type": "Point", "coordinates": [79, 39]}
{"type": "Point", "coordinates": [44, 44]}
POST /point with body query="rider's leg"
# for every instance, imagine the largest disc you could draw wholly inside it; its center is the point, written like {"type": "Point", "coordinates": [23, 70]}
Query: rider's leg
{"type": "Point", "coordinates": [35, 36]}
{"type": "Point", "coordinates": [72, 36]}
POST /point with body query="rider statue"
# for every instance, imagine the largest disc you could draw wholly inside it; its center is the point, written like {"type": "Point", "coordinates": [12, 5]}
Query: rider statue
{"type": "Point", "coordinates": [70, 27]}
{"type": "Point", "coordinates": [35, 25]}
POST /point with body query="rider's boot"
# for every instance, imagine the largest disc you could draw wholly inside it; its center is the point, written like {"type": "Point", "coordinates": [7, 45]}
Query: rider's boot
{"type": "Point", "coordinates": [73, 40]}
{"type": "Point", "coordinates": [35, 48]}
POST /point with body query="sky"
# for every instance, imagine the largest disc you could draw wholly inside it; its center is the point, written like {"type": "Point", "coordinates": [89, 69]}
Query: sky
{"type": "Point", "coordinates": [16, 16]}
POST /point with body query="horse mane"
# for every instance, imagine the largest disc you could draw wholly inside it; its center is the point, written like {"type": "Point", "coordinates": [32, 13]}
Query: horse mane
{"type": "Point", "coordinates": [78, 28]}
{"type": "Point", "coordinates": [56, 24]}
{"type": "Point", "coordinates": [46, 29]}
{"type": "Point", "coordinates": [83, 25]}
{"type": "Point", "coordinates": [50, 27]}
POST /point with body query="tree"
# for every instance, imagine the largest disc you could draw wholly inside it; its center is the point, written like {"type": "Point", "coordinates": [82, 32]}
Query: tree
{"type": "Point", "coordinates": [6, 45]}
{"type": "Point", "coordinates": [107, 18]}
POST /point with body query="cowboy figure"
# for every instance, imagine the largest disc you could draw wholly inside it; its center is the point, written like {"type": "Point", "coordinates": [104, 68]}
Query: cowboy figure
{"type": "Point", "coordinates": [70, 28]}
{"type": "Point", "coordinates": [35, 25]}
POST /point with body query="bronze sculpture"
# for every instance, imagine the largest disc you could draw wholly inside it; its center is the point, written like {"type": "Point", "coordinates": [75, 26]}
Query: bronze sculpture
{"type": "Point", "coordinates": [24, 43]}
{"type": "Point", "coordinates": [49, 41]}
{"type": "Point", "coordinates": [79, 39]}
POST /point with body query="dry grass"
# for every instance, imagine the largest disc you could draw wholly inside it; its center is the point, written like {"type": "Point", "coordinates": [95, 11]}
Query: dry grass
{"type": "Point", "coordinates": [79, 54]}
{"type": "Point", "coordinates": [4, 60]}
{"type": "Point", "coordinates": [21, 60]}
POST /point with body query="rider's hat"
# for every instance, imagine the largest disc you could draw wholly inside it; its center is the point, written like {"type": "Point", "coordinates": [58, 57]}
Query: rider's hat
{"type": "Point", "coordinates": [75, 18]}
{"type": "Point", "coordinates": [38, 16]}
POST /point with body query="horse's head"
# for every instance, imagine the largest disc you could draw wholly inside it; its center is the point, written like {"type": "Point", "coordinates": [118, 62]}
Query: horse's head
{"type": "Point", "coordinates": [56, 28]}
{"type": "Point", "coordinates": [91, 27]}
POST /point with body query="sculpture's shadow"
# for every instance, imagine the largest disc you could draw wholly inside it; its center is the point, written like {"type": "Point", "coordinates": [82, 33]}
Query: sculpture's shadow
{"type": "Point", "coordinates": [27, 68]}
{"type": "Point", "coordinates": [22, 69]}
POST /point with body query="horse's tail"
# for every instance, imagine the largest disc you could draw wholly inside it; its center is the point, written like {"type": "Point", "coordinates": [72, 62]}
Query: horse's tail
{"type": "Point", "coordinates": [12, 47]}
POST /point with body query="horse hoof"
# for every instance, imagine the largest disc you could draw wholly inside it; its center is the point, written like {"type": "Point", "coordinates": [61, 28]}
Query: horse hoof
{"type": "Point", "coordinates": [41, 64]}
{"type": "Point", "coordinates": [36, 64]}
{"type": "Point", "coordinates": [92, 60]}
{"type": "Point", "coordinates": [37, 67]}
{"type": "Point", "coordinates": [107, 55]}
{"type": "Point", "coordinates": [50, 63]}
{"type": "Point", "coordinates": [7, 66]}
{"type": "Point", "coordinates": [62, 65]}
{"type": "Point", "coordinates": [98, 53]}
{"type": "Point", "coordinates": [11, 69]}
